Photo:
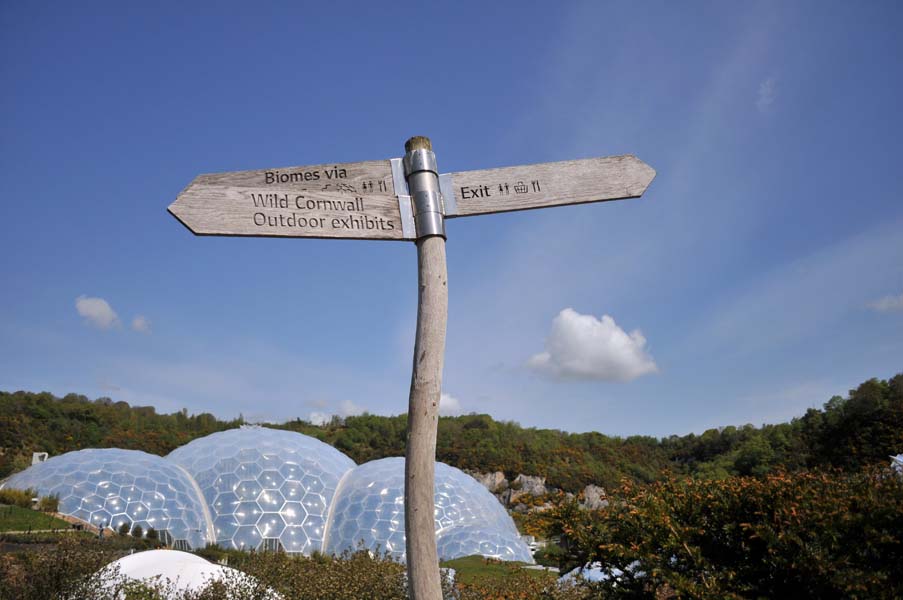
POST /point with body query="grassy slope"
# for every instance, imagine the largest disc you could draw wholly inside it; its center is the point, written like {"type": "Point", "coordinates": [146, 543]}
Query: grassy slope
{"type": "Point", "coordinates": [478, 569]}
{"type": "Point", "coordinates": [14, 518]}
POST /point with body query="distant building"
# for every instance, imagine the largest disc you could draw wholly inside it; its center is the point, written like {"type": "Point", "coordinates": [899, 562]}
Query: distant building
{"type": "Point", "coordinates": [39, 457]}
{"type": "Point", "coordinates": [896, 463]}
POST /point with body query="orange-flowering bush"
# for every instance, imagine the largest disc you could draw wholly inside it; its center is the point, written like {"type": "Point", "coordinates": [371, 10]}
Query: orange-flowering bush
{"type": "Point", "coordinates": [805, 534]}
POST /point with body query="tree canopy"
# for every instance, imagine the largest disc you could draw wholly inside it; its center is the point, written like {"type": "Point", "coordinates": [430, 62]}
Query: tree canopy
{"type": "Point", "coordinates": [846, 433]}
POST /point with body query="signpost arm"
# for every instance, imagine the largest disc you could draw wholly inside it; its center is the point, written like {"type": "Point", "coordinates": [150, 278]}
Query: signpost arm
{"type": "Point", "coordinates": [426, 377]}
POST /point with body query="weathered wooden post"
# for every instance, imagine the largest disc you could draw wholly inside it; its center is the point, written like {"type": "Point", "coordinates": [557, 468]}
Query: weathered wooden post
{"type": "Point", "coordinates": [426, 376]}
{"type": "Point", "coordinates": [402, 199]}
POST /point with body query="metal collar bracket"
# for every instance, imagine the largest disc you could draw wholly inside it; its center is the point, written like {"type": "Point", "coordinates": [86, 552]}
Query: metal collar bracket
{"type": "Point", "coordinates": [420, 160]}
{"type": "Point", "coordinates": [416, 180]}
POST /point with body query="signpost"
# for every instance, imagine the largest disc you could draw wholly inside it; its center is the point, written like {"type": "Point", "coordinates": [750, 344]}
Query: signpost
{"type": "Point", "coordinates": [350, 200]}
{"type": "Point", "coordinates": [402, 199]}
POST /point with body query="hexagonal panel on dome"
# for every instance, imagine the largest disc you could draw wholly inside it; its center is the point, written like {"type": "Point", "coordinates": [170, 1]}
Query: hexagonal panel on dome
{"type": "Point", "coordinates": [108, 487]}
{"type": "Point", "coordinates": [368, 511]}
{"type": "Point", "coordinates": [261, 484]}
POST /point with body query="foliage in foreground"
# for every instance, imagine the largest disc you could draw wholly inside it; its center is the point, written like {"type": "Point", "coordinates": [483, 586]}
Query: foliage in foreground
{"type": "Point", "coordinates": [479, 578]}
{"type": "Point", "coordinates": [63, 571]}
{"type": "Point", "coordinates": [20, 498]}
{"type": "Point", "coordinates": [69, 571]}
{"type": "Point", "coordinates": [821, 534]}
{"type": "Point", "coordinates": [801, 535]}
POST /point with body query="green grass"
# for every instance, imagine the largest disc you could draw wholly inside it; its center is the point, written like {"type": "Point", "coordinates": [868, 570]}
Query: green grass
{"type": "Point", "coordinates": [478, 569]}
{"type": "Point", "coordinates": [14, 518]}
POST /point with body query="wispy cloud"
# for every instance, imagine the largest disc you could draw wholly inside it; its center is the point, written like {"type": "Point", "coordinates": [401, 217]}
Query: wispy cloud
{"type": "Point", "coordinates": [141, 324]}
{"type": "Point", "coordinates": [97, 312]}
{"type": "Point", "coordinates": [768, 92]}
{"type": "Point", "coordinates": [584, 347]}
{"type": "Point", "coordinates": [449, 406]}
{"type": "Point", "coordinates": [347, 408]}
{"type": "Point", "coordinates": [887, 304]}
{"type": "Point", "coordinates": [228, 379]}
{"type": "Point", "coordinates": [783, 297]}
{"type": "Point", "coordinates": [318, 418]}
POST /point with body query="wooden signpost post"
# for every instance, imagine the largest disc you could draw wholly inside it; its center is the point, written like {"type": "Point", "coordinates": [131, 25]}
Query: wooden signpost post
{"type": "Point", "coordinates": [402, 199]}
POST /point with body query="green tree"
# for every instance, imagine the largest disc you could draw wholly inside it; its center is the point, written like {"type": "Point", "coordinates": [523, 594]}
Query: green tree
{"type": "Point", "coordinates": [754, 456]}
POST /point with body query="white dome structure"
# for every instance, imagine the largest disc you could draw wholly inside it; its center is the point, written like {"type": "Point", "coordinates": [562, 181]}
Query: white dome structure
{"type": "Point", "coordinates": [110, 487]}
{"type": "Point", "coordinates": [267, 489]}
{"type": "Point", "coordinates": [178, 572]}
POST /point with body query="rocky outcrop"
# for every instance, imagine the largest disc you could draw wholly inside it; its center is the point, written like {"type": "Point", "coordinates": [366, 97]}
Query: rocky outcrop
{"type": "Point", "coordinates": [494, 482]}
{"type": "Point", "coordinates": [529, 484]}
{"type": "Point", "coordinates": [523, 485]}
{"type": "Point", "coordinates": [594, 497]}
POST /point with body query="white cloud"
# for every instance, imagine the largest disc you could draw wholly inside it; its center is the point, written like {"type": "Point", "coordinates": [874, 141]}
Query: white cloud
{"type": "Point", "coordinates": [584, 347]}
{"type": "Point", "coordinates": [449, 406]}
{"type": "Point", "coordinates": [97, 312]}
{"type": "Point", "coordinates": [347, 408]}
{"type": "Point", "coordinates": [141, 324]}
{"type": "Point", "coordinates": [768, 91]}
{"type": "Point", "coordinates": [887, 303]}
{"type": "Point", "coordinates": [318, 418]}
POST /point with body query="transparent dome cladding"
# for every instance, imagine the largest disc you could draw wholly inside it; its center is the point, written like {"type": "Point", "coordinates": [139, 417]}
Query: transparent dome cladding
{"type": "Point", "coordinates": [255, 488]}
{"type": "Point", "coordinates": [109, 487]}
{"type": "Point", "coordinates": [369, 513]}
{"type": "Point", "coordinates": [265, 485]}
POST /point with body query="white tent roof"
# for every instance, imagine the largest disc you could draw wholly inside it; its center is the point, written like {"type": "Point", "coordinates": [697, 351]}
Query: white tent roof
{"type": "Point", "coordinates": [185, 571]}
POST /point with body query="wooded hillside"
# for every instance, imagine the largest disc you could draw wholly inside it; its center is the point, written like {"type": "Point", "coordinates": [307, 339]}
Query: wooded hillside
{"type": "Point", "coordinates": [850, 432]}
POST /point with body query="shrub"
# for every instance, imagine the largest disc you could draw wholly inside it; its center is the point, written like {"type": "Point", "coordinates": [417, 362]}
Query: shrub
{"type": "Point", "coordinates": [809, 534]}
{"type": "Point", "coordinates": [65, 570]}
{"type": "Point", "coordinates": [49, 504]}
{"type": "Point", "coordinates": [137, 531]}
{"type": "Point", "coordinates": [348, 577]}
{"type": "Point", "coordinates": [20, 498]}
{"type": "Point", "coordinates": [550, 556]}
{"type": "Point", "coordinates": [124, 528]}
{"type": "Point", "coordinates": [518, 584]}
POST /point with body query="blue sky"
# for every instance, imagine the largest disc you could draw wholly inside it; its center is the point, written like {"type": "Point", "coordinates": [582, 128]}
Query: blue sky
{"type": "Point", "coordinates": [762, 270]}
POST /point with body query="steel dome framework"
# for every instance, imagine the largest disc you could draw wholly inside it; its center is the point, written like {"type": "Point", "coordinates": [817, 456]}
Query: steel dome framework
{"type": "Point", "coordinates": [256, 488]}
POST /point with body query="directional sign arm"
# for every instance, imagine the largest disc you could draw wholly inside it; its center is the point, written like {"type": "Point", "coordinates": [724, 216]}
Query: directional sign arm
{"type": "Point", "coordinates": [547, 184]}
{"type": "Point", "coordinates": [346, 200]}
{"type": "Point", "coordinates": [363, 200]}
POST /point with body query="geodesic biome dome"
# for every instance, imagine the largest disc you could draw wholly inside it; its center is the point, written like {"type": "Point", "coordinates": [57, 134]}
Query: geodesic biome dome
{"type": "Point", "coordinates": [266, 489]}
{"type": "Point", "coordinates": [111, 487]}
{"type": "Point", "coordinates": [368, 513]}
{"type": "Point", "coordinates": [256, 488]}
